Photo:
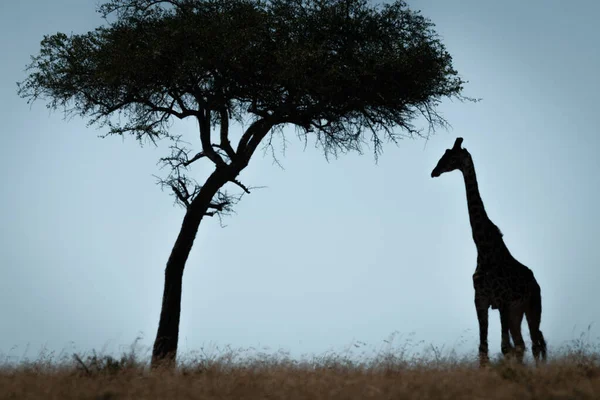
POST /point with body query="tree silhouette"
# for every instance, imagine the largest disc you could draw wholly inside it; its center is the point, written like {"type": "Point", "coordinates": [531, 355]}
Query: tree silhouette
{"type": "Point", "coordinates": [344, 72]}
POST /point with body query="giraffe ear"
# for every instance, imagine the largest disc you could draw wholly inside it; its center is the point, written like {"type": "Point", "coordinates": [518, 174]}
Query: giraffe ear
{"type": "Point", "coordinates": [457, 143]}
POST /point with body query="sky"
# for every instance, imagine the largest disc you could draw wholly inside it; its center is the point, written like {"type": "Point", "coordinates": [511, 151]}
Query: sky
{"type": "Point", "coordinates": [330, 254]}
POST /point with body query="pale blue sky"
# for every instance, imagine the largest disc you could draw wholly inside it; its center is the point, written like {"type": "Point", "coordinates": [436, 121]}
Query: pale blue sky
{"type": "Point", "coordinates": [329, 252]}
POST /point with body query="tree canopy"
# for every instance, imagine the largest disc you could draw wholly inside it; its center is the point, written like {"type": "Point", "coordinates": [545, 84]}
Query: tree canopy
{"type": "Point", "coordinates": [338, 68]}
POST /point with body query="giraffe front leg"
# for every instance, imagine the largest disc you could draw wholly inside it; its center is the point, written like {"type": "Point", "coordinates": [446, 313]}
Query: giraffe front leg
{"type": "Point", "coordinates": [505, 346]}
{"type": "Point", "coordinates": [516, 318]}
{"type": "Point", "coordinates": [481, 305]}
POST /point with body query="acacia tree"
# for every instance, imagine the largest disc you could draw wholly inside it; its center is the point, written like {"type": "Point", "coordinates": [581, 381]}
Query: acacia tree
{"type": "Point", "coordinates": [344, 72]}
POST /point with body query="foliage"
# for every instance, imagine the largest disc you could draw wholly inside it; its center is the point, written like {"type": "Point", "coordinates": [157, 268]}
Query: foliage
{"type": "Point", "coordinates": [338, 68]}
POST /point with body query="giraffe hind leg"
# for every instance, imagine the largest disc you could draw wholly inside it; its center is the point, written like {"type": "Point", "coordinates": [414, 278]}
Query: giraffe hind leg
{"type": "Point", "coordinates": [534, 316]}
{"type": "Point", "coordinates": [482, 317]}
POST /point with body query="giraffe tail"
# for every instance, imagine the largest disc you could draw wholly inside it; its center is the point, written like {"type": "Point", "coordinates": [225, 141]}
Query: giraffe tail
{"type": "Point", "coordinates": [534, 318]}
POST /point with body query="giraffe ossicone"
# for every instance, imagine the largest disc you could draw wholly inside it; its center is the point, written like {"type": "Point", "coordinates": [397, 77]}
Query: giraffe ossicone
{"type": "Point", "coordinates": [457, 143]}
{"type": "Point", "coordinates": [500, 281]}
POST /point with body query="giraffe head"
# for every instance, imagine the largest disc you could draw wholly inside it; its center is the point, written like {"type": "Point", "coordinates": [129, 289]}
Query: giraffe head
{"type": "Point", "coordinates": [452, 159]}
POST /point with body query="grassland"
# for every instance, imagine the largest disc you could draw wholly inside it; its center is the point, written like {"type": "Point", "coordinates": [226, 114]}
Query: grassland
{"type": "Point", "coordinates": [571, 373]}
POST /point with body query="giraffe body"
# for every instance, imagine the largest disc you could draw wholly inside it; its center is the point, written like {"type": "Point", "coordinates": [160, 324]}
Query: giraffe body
{"type": "Point", "coordinates": [500, 281]}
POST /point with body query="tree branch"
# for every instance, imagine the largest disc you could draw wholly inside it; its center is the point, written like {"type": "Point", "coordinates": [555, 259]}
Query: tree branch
{"type": "Point", "coordinates": [252, 137]}
{"type": "Point", "coordinates": [193, 159]}
{"type": "Point", "coordinates": [222, 204]}
{"type": "Point", "coordinates": [179, 102]}
{"type": "Point", "coordinates": [183, 185]}
{"type": "Point", "coordinates": [134, 6]}
{"type": "Point", "coordinates": [180, 186]}
{"type": "Point", "coordinates": [218, 206]}
{"type": "Point", "coordinates": [180, 196]}
{"type": "Point", "coordinates": [240, 184]}
{"type": "Point", "coordinates": [259, 133]}
{"type": "Point", "coordinates": [169, 110]}
{"type": "Point", "coordinates": [209, 151]}
{"type": "Point", "coordinates": [179, 156]}
{"type": "Point", "coordinates": [225, 144]}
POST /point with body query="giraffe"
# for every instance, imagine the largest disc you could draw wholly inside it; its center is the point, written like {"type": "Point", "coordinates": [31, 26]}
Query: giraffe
{"type": "Point", "coordinates": [500, 281]}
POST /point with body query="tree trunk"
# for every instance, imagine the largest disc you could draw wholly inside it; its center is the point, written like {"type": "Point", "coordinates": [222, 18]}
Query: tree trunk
{"type": "Point", "coordinates": [167, 336]}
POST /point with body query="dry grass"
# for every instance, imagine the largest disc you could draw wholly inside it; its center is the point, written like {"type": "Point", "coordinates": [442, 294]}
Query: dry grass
{"type": "Point", "coordinates": [574, 374]}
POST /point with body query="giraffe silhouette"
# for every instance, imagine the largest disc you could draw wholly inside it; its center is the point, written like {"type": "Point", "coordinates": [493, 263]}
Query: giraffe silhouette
{"type": "Point", "coordinates": [500, 281]}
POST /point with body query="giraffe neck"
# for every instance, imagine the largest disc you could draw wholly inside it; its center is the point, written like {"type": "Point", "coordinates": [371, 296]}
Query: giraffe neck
{"type": "Point", "coordinates": [485, 233]}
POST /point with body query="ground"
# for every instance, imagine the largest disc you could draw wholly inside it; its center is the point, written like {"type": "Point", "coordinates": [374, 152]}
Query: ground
{"type": "Point", "coordinates": [573, 373]}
